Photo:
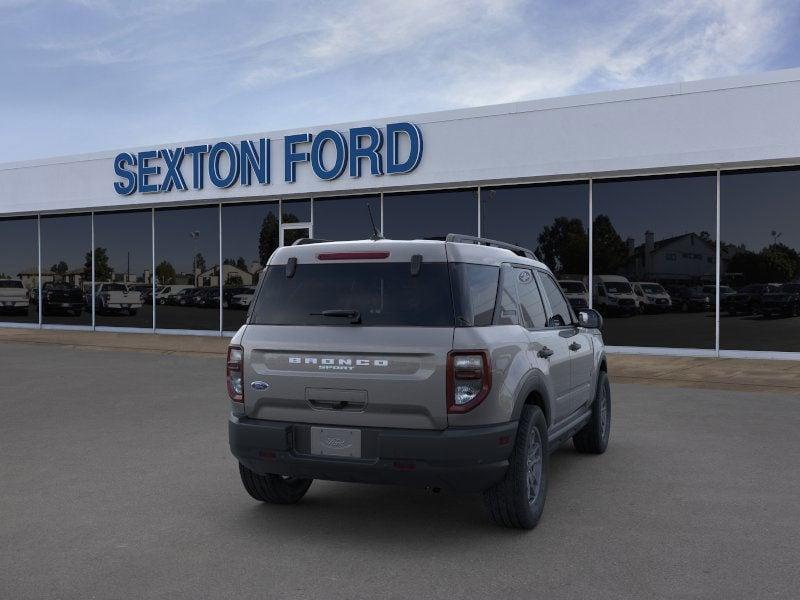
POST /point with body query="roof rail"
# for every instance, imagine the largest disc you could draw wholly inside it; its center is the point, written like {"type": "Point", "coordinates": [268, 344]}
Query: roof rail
{"type": "Point", "coordinates": [306, 241]}
{"type": "Point", "coordinates": [471, 239]}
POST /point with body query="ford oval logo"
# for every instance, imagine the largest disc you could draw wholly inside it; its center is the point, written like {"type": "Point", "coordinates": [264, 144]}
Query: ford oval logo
{"type": "Point", "coordinates": [259, 385]}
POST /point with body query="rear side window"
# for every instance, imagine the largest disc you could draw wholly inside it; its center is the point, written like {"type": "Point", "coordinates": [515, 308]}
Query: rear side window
{"type": "Point", "coordinates": [530, 300]}
{"type": "Point", "coordinates": [474, 293]}
{"type": "Point", "coordinates": [383, 294]}
{"type": "Point", "coordinates": [507, 313]}
{"type": "Point", "coordinates": [561, 311]}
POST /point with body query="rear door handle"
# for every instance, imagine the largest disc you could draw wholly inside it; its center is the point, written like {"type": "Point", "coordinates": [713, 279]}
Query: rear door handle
{"type": "Point", "coordinates": [574, 346]}
{"type": "Point", "coordinates": [545, 352]}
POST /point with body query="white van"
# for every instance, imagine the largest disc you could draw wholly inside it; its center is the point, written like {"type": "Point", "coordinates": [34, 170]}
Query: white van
{"type": "Point", "coordinates": [613, 294]}
{"type": "Point", "coordinates": [651, 297]}
{"type": "Point", "coordinates": [168, 291]}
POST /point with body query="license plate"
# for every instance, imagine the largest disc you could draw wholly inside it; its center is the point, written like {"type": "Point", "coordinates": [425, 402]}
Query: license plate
{"type": "Point", "coordinates": [65, 304]}
{"type": "Point", "coordinates": [334, 441]}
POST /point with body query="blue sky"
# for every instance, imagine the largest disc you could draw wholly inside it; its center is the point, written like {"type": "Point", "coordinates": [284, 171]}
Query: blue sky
{"type": "Point", "coordinates": [88, 75]}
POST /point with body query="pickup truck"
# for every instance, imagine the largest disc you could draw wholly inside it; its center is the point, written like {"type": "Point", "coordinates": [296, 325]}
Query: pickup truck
{"type": "Point", "coordinates": [14, 298]}
{"type": "Point", "coordinates": [114, 298]}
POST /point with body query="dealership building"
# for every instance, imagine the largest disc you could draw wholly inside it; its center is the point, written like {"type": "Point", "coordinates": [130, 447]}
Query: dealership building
{"type": "Point", "coordinates": [673, 209]}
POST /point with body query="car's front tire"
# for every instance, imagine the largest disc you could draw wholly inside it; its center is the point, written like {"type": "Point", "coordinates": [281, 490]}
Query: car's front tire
{"type": "Point", "coordinates": [518, 500]}
{"type": "Point", "coordinates": [593, 437]}
{"type": "Point", "coordinates": [274, 489]}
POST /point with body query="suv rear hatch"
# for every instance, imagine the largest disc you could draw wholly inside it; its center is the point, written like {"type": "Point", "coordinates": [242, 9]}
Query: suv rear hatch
{"type": "Point", "coordinates": [351, 334]}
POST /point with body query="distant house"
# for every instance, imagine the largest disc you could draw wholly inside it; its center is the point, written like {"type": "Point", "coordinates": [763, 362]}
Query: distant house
{"type": "Point", "coordinates": [210, 277]}
{"type": "Point", "coordinates": [686, 258]}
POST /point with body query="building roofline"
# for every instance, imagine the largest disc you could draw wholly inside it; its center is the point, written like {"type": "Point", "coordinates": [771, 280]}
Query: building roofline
{"type": "Point", "coordinates": [546, 104]}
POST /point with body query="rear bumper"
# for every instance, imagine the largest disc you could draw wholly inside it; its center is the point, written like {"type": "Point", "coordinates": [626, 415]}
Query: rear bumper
{"type": "Point", "coordinates": [459, 459]}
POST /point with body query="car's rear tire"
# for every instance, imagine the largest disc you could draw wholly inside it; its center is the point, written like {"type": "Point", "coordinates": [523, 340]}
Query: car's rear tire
{"type": "Point", "coordinates": [518, 500]}
{"type": "Point", "coordinates": [274, 489]}
{"type": "Point", "coordinates": [593, 437]}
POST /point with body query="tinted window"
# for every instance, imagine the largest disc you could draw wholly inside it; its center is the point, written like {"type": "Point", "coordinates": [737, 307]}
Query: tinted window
{"type": "Point", "coordinates": [760, 244]}
{"type": "Point", "coordinates": [655, 230]}
{"type": "Point", "coordinates": [249, 237]}
{"type": "Point", "coordinates": [430, 214]}
{"type": "Point", "coordinates": [474, 293]}
{"type": "Point", "coordinates": [382, 293]}
{"type": "Point", "coordinates": [124, 254]}
{"type": "Point", "coordinates": [550, 219]}
{"type": "Point", "coordinates": [296, 211]}
{"type": "Point", "coordinates": [346, 218]}
{"type": "Point", "coordinates": [67, 261]}
{"type": "Point", "coordinates": [558, 304]}
{"type": "Point", "coordinates": [19, 266]}
{"type": "Point", "coordinates": [530, 300]}
{"type": "Point", "coordinates": [508, 313]}
{"type": "Point", "coordinates": [187, 254]}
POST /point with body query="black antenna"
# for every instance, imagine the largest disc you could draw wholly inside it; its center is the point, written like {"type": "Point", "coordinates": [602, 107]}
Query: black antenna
{"type": "Point", "coordinates": [376, 235]}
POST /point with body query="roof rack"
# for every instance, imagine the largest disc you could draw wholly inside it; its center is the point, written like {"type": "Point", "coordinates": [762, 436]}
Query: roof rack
{"type": "Point", "coordinates": [306, 241]}
{"type": "Point", "coordinates": [471, 239]}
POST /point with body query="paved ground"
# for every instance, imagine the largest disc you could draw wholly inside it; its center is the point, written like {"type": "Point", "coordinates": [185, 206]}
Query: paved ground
{"type": "Point", "coordinates": [117, 483]}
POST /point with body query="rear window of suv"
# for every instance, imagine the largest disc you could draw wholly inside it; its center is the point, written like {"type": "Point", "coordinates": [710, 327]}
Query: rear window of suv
{"type": "Point", "coordinates": [384, 294]}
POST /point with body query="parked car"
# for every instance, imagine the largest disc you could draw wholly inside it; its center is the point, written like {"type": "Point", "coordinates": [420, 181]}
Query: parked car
{"type": "Point", "coordinates": [183, 297]}
{"type": "Point", "coordinates": [725, 292]}
{"type": "Point", "coordinates": [14, 298]}
{"type": "Point", "coordinates": [242, 301]}
{"type": "Point", "coordinates": [576, 293]}
{"type": "Point", "coordinates": [651, 297]}
{"type": "Point", "coordinates": [168, 292]}
{"type": "Point", "coordinates": [114, 298]}
{"type": "Point", "coordinates": [614, 295]}
{"type": "Point", "coordinates": [441, 367]}
{"type": "Point", "coordinates": [62, 298]}
{"type": "Point", "coordinates": [784, 301]}
{"type": "Point", "coordinates": [205, 297]}
{"type": "Point", "coordinates": [747, 300]}
{"type": "Point", "coordinates": [146, 290]}
{"type": "Point", "coordinates": [228, 292]}
{"type": "Point", "coordinates": [689, 299]}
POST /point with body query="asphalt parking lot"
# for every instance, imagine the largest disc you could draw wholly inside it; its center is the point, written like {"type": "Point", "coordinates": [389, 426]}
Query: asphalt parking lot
{"type": "Point", "coordinates": [117, 483]}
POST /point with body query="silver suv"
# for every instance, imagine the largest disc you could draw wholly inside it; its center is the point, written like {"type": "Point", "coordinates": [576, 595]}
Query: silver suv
{"type": "Point", "coordinates": [455, 364]}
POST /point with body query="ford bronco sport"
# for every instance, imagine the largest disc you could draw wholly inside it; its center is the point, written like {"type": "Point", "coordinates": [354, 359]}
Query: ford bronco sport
{"type": "Point", "coordinates": [454, 364]}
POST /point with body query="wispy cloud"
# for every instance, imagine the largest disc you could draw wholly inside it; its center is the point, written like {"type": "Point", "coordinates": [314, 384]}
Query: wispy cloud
{"type": "Point", "coordinates": [208, 67]}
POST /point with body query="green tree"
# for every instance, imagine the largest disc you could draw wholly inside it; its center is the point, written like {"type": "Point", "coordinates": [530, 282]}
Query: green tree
{"type": "Point", "coordinates": [610, 253]}
{"type": "Point", "coordinates": [102, 270]}
{"type": "Point", "coordinates": [267, 238]}
{"type": "Point", "coordinates": [59, 268]}
{"type": "Point", "coordinates": [241, 263]}
{"type": "Point", "coordinates": [165, 273]}
{"type": "Point", "coordinates": [564, 246]}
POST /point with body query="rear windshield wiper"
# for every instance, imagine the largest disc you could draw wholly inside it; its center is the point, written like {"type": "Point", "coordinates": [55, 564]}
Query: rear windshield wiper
{"type": "Point", "coordinates": [353, 315]}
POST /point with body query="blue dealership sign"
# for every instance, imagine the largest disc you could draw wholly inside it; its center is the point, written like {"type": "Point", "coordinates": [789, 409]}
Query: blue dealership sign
{"type": "Point", "coordinates": [329, 152]}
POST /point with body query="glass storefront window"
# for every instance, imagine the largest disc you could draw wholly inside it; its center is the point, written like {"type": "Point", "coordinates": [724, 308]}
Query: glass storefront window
{"type": "Point", "coordinates": [550, 219]}
{"type": "Point", "coordinates": [19, 270]}
{"type": "Point", "coordinates": [296, 211]}
{"type": "Point", "coordinates": [760, 260]}
{"type": "Point", "coordinates": [123, 266]}
{"type": "Point", "coordinates": [187, 268]}
{"type": "Point", "coordinates": [430, 214]}
{"type": "Point", "coordinates": [654, 260]}
{"type": "Point", "coordinates": [66, 269]}
{"type": "Point", "coordinates": [346, 218]}
{"type": "Point", "coordinates": [249, 237]}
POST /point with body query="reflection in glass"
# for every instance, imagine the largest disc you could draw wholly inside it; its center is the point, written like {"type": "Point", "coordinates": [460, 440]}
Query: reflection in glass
{"type": "Point", "coordinates": [123, 265]}
{"type": "Point", "coordinates": [187, 266]}
{"type": "Point", "coordinates": [760, 260]}
{"type": "Point", "coordinates": [296, 211]}
{"type": "Point", "coordinates": [430, 214]}
{"type": "Point", "coordinates": [550, 219]}
{"type": "Point", "coordinates": [249, 237]}
{"type": "Point", "coordinates": [66, 269]}
{"type": "Point", "coordinates": [346, 218]}
{"type": "Point", "coordinates": [19, 270]}
{"type": "Point", "coordinates": [653, 258]}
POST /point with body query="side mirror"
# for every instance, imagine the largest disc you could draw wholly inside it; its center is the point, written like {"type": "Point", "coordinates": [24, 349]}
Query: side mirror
{"type": "Point", "coordinates": [590, 319]}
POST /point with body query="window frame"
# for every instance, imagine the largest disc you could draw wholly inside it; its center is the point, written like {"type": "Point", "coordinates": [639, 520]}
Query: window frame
{"type": "Point", "coordinates": [540, 273]}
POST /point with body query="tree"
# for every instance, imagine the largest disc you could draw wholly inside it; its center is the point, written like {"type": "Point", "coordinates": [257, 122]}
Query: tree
{"type": "Point", "coordinates": [241, 263]}
{"type": "Point", "coordinates": [102, 271]}
{"type": "Point", "coordinates": [610, 253]}
{"type": "Point", "coordinates": [234, 281]}
{"type": "Point", "coordinates": [200, 262]}
{"type": "Point", "coordinates": [229, 261]}
{"type": "Point", "coordinates": [59, 268]}
{"type": "Point", "coordinates": [564, 246]}
{"type": "Point", "coordinates": [267, 238]}
{"type": "Point", "coordinates": [165, 273]}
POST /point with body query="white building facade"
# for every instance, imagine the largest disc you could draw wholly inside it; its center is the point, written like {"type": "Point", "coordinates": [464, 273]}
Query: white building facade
{"type": "Point", "coordinates": [706, 171]}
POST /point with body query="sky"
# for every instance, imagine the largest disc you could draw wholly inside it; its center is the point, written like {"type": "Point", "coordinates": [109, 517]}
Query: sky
{"type": "Point", "coordinates": [90, 75]}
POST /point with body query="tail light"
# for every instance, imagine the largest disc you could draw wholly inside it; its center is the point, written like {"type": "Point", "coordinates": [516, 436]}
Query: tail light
{"type": "Point", "coordinates": [234, 373]}
{"type": "Point", "coordinates": [469, 379]}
